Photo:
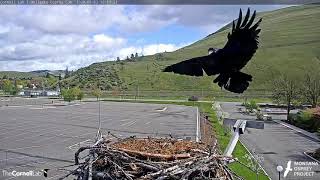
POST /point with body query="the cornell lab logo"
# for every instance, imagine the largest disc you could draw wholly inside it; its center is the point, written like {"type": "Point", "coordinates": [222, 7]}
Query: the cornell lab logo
{"type": "Point", "coordinates": [45, 172]}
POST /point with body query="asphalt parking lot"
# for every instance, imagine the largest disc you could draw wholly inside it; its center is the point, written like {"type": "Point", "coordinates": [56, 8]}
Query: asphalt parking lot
{"type": "Point", "coordinates": [35, 137]}
{"type": "Point", "coordinates": [276, 144]}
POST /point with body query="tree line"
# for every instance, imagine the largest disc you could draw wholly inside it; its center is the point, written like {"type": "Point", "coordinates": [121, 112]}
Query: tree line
{"type": "Point", "coordinates": [133, 57]}
{"type": "Point", "coordinates": [76, 93]}
{"type": "Point", "coordinates": [296, 91]}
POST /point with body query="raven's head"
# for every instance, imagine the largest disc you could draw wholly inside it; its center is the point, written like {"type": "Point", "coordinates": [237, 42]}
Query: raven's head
{"type": "Point", "coordinates": [212, 50]}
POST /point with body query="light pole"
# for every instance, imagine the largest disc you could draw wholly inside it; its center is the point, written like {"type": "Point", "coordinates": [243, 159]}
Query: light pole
{"type": "Point", "coordinates": [98, 135]}
{"type": "Point", "coordinates": [279, 169]}
{"type": "Point", "coordinates": [137, 93]}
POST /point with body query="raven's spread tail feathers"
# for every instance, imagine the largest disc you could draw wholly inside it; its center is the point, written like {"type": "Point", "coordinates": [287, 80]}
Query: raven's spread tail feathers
{"type": "Point", "coordinates": [237, 82]}
{"type": "Point", "coordinates": [222, 80]}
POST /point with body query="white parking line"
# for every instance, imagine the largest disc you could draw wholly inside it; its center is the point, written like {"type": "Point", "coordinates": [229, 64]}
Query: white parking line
{"type": "Point", "coordinates": [130, 123]}
{"type": "Point", "coordinates": [290, 127]}
{"type": "Point", "coordinates": [79, 144]}
{"type": "Point", "coordinates": [161, 110]}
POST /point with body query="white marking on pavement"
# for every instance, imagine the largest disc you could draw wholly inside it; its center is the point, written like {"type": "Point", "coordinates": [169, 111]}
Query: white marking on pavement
{"type": "Point", "coordinates": [161, 110]}
{"type": "Point", "coordinates": [133, 122]}
{"type": "Point", "coordinates": [127, 123]}
{"type": "Point", "coordinates": [79, 144]}
{"type": "Point", "coordinates": [290, 127]}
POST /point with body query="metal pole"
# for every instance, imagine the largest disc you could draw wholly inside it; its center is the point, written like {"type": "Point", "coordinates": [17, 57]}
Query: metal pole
{"type": "Point", "coordinates": [6, 157]}
{"type": "Point", "coordinates": [279, 175]}
{"type": "Point", "coordinates": [99, 115]}
{"type": "Point", "coordinates": [257, 172]}
{"type": "Point", "coordinates": [99, 133]}
{"type": "Point", "coordinates": [232, 143]}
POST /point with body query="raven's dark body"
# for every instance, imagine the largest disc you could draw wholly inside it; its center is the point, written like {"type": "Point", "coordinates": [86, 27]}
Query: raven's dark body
{"type": "Point", "coordinates": [228, 61]}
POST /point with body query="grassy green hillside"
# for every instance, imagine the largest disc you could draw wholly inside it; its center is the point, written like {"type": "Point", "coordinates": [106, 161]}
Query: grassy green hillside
{"type": "Point", "coordinates": [289, 43]}
{"type": "Point", "coordinates": [103, 75]}
{"type": "Point", "coordinates": [16, 74]}
{"type": "Point", "coordinates": [31, 74]}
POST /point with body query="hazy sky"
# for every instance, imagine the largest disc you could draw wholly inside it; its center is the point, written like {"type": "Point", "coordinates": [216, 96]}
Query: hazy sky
{"type": "Point", "coordinates": [54, 37]}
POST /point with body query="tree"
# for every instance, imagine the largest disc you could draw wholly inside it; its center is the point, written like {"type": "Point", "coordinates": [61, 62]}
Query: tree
{"type": "Point", "coordinates": [132, 57]}
{"type": "Point", "coordinates": [15, 89]}
{"type": "Point", "coordinates": [77, 93]}
{"type": "Point", "coordinates": [66, 73]}
{"type": "Point", "coordinates": [159, 57]}
{"type": "Point", "coordinates": [310, 89]}
{"type": "Point", "coordinates": [80, 96]}
{"type": "Point", "coordinates": [118, 59]}
{"type": "Point", "coordinates": [97, 93]}
{"type": "Point", "coordinates": [127, 58]}
{"type": "Point", "coordinates": [48, 75]}
{"type": "Point", "coordinates": [7, 86]}
{"type": "Point", "coordinates": [136, 55]}
{"type": "Point", "coordinates": [5, 77]}
{"type": "Point", "coordinates": [285, 90]}
{"type": "Point", "coordinates": [68, 94]}
{"type": "Point", "coordinates": [51, 82]}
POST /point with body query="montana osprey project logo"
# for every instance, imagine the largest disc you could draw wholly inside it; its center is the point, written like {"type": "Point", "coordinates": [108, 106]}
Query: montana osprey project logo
{"type": "Point", "coordinates": [288, 169]}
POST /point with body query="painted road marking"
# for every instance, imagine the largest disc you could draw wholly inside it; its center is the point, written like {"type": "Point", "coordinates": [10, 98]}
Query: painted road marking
{"type": "Point", "coordinates": [161, 110]}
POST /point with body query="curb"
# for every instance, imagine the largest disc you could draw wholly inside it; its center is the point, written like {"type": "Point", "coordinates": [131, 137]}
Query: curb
{"type": "Point", "coordinates": [255, 159]}
{"type": "Point", "coordinates": [219, 111]}
{"type": "Point", "coordinates": [297, 130]}
{"type": "Point", "coordinates": [314, 159]}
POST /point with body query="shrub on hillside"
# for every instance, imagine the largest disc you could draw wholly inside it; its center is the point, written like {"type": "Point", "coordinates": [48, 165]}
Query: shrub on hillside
{"type": "Point", "coordinates": [68, 95]}
{"type": "Point", "coordinates": [292, 117]}
{"type": "Point", "coordinates": [251, 105]}
{"type": "Point", "coordinates": [308, 119]}
{"type": "Point", "coordinates": [72, 94]}
{"type": "Point", "coordinates": [193, 98]}
{"type": "Point", "coordinates": [303, 120]}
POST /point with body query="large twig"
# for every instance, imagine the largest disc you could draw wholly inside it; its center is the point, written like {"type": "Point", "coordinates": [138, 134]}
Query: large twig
{"type": "Point", "coordinates": [157, 156]}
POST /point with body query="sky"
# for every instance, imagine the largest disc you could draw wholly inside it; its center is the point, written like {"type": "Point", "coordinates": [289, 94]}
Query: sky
{"type": "Point", "coordinates": [56, 37]}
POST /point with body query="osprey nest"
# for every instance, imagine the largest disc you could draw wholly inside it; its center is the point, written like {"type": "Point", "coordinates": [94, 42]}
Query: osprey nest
{"type": "Point", "coordinates": [150, 158]}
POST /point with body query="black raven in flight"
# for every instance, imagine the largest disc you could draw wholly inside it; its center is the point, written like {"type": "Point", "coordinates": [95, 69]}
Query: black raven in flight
{"type": "Point", "coordinates": [228, 61]}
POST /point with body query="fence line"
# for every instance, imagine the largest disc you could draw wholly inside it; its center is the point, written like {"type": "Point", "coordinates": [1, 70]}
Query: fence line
{"type": "Point", "coordinates": [256, 93]}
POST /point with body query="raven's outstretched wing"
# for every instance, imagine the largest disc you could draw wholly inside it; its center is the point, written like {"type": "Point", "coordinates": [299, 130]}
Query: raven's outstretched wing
{"type": "Point", "coordinates": [242, 42]}
{"type": "Point", "coordinates": [194, 66]}
{"type": "Point", "coordinates": [241, 46]}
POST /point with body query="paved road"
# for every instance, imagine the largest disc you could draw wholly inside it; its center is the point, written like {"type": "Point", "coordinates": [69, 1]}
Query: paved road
{"type": "Point", "coordinates": [277, 144]}
{"type": "Point", "coordinates": [37, 137]}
